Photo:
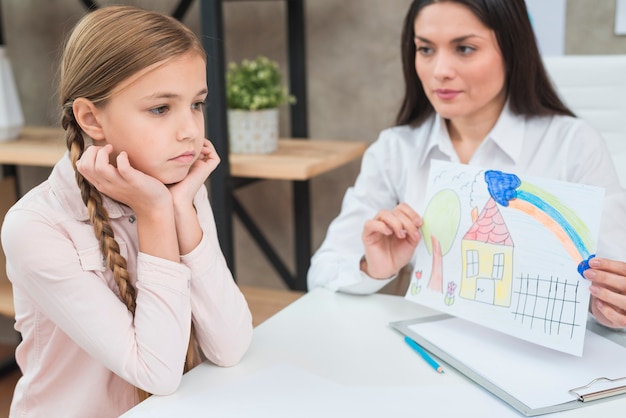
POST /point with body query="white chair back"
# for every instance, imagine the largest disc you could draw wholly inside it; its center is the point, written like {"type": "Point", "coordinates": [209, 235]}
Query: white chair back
{"type": "Point", "coordinates": [594, 87]}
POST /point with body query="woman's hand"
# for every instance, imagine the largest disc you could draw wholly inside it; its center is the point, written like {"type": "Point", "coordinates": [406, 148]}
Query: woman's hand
{"type": "Point", "coordinates": [608, 291]}
{"type": "Point", "coordinates": [122, 183]}
{"type": "Point", "coordinates": [390, 240]}
{"type": "Point", "coordinates": [185, 190]}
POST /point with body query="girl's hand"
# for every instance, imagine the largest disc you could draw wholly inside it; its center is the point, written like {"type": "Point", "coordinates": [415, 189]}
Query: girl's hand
{"type": "Point", "coordinates": [185, 190]}
{"type": "Point", "coordinates": [390, 240]}
{"type": "Point", "coordinates": [122, 183]}
{"type": "Point", "coordinates": [608, 291]}
{"type": "Point", "coordinates": [188, 228]}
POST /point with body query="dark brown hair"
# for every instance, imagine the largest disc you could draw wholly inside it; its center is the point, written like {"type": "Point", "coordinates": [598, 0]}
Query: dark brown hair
{"type": "Point", "coordinates": [529, 89]}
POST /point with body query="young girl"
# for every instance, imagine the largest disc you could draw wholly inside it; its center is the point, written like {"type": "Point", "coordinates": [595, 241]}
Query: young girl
{"type": "Point", "coordinates": [117, 272]}
{"type": "Point", "coordinates": [476, 93]}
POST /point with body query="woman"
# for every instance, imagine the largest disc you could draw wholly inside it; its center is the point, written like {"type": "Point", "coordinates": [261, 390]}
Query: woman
{"type": "Point", "coordinates": [476, 93]}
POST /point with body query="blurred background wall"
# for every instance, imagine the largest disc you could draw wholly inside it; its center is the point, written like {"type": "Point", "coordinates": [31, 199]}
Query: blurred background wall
{"type": "Point", "coordinates": [353, 74]}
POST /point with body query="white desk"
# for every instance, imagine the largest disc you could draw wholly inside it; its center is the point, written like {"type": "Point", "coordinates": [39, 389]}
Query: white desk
{"type": "Point", "coordinates": [333, 355]}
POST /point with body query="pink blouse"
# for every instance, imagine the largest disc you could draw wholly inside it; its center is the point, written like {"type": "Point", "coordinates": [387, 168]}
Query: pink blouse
{"type": "Point", "coordinates": [82, 352]}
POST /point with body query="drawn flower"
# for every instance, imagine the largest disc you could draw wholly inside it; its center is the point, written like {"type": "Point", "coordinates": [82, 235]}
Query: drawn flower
{"type": "Point", "coordinates": [449, 297]}
{"type": "Point", "coordinates": [451, 288]}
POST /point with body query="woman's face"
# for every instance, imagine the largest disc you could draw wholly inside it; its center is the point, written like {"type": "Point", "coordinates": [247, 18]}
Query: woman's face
{"type": "Point", "coordinates": [459, 63]}
{"type": "Point", "coordinates": [156, 116]}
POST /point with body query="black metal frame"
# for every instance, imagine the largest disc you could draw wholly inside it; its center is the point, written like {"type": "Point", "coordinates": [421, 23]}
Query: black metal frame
{"type": "Point", "coordinates": [222, 184]}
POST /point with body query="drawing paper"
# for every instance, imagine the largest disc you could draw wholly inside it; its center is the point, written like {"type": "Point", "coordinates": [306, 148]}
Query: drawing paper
{"type": "Point", "coordinates": [508, 252]}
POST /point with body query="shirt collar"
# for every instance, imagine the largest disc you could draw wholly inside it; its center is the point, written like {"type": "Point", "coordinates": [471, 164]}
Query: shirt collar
{"type": "Point", "coordinates": [63, 183]}
{"type": "Point", "coordinates": [438, 138]}
{"type": "Point", "coordinates": [507, 134]}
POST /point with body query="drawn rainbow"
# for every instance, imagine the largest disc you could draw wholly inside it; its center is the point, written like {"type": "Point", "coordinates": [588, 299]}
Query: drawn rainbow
{"type": "Point", "coordinates": [509, 191]}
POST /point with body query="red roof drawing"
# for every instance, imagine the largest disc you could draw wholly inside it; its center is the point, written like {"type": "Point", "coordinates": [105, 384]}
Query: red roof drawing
{"type": "Point", "coordinates": [490, 227]}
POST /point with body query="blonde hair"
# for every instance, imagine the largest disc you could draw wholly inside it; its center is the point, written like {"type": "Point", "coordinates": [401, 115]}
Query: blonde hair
{"type": "Point", "coordinates": [105, 48]}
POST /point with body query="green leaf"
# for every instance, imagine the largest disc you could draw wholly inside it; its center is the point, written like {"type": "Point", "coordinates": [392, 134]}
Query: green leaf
{"type": "Point", "coordinates": [255, 85]}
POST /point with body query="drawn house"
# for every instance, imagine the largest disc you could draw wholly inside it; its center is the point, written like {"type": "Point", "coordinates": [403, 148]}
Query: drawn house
{"type": "Point", "coordinates": [487, 259]}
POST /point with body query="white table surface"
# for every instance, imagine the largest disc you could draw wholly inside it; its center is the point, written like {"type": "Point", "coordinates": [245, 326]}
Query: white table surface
{"type": "Point", "coordinates": [334, 355]}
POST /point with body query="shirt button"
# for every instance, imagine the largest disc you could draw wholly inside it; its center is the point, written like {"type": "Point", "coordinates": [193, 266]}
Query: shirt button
{"type": "Point", "coordinates": [132, 219]}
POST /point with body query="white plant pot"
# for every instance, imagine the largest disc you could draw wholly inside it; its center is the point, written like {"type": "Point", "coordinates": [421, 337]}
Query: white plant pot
{"type": "Point", "coordinates": [253, 131]}
{"type": "Point", "coordinates": [11, 117]}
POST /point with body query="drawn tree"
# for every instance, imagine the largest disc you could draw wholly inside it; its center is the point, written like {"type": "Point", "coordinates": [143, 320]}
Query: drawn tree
{"type": "Point", "coordinates": [441, 224]}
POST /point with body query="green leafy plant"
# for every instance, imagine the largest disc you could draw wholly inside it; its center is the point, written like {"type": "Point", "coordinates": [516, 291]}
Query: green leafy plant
{"type": "Point", "coordinates": [255, 85]}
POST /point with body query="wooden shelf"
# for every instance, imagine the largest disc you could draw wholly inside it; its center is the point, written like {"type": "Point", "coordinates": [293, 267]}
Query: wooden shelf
{"type": "Point", "coordinates": [295, 159]}
{"type": "Point", "coordinates": [37, 145]}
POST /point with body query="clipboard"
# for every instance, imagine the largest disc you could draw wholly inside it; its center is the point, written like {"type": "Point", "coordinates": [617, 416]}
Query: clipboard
{"type": "Point", "coordinates": [596, 389]}
{"type": "Point", "coordinates": [588, 392]}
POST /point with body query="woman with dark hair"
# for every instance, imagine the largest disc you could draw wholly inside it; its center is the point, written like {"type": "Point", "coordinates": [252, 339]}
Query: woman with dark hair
{"type": "Point", "coordinates": [476, 93]}
{"type": "Point", "coordinates": [524, 69]}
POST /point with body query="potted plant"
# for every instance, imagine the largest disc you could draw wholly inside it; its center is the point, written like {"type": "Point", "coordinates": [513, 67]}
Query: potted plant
{"type": "Point", "coordinates": [254, 91]}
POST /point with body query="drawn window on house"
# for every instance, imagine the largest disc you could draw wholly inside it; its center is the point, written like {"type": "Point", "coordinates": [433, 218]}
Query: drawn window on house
{"type": "Point", "coordinates": [472, 263]}
{"type": "Point", "coordinates": [498, 266]}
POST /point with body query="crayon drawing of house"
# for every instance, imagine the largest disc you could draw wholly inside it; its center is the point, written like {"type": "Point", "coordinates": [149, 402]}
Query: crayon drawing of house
{"type": "Point", "coordinates": [487, 259]}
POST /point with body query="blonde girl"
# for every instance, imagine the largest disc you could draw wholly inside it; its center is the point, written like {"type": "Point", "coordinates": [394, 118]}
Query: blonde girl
{"type": "Point", "coordinates": [119, 281]}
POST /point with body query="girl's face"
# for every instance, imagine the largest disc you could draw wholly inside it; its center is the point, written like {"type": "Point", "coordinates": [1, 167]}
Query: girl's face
{"type": "Point", "coordinates": [156, 116]}
{"type": "Point", "coordinates": [459, 63]}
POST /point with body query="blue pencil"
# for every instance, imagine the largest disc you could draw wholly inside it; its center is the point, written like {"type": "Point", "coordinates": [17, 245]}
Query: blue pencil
{"type": "Point", "coordinates": [424, 354]}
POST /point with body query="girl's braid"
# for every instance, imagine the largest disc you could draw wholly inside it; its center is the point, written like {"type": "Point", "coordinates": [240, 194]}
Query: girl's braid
{"type": "Point", "coordinates": [106, 237]}
{"type": "Point", "coordinates": [98, 215]}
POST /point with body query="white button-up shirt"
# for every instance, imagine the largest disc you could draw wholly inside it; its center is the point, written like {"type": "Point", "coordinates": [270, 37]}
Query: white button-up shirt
{"type": "Point", "coordinates": [395, 169]}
